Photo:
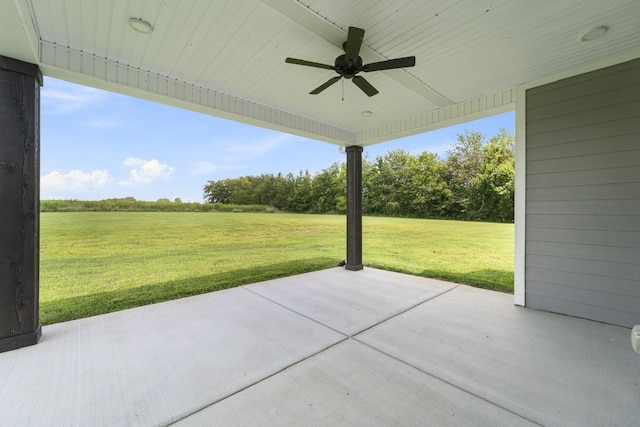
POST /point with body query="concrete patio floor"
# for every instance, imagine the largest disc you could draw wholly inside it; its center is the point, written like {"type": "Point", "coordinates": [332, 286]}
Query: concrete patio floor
{"type": "Point", "coordinates": [331, 348]}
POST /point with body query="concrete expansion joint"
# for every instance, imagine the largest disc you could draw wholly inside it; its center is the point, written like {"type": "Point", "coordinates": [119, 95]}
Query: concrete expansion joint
{"type": "Point", "coordinates": [433, 375]}
{"type": "Point", "coordinates": [345, 338]}
{"type": "Point", "coordinates": [273, 374]}
{"type": "Point", "coordinates": [418, 304]}
{"type": "Point", "coordinates": [295, 312]}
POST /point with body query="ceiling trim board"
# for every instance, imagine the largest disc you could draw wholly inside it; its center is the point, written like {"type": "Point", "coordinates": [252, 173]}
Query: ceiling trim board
{"type": "Point", "coordinates": [80, 67]}
{"type": "Point", "coordinates": [473, 109]}
{"type": "Point", "coordinates": [18, 34]}
{"type": "Point", "coordinates": [585, 68]}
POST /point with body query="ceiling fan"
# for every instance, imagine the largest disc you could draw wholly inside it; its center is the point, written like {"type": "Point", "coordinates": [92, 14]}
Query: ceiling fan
{"type": "Point", "coordinates": [350, 64]}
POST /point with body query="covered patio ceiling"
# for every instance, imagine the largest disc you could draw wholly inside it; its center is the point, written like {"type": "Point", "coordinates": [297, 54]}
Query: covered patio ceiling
{"type": "Point", "coordinates": [227, 57]}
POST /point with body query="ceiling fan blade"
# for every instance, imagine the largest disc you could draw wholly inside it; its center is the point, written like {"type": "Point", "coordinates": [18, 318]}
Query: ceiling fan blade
{"type": "Point", "coordinates": [354, 41]}
{"type": "Point", "coordinates": [363, 84]}
{"type": "Point", "coordinates": [325, 85]}
{"type": "Point", "coordinates": [309, 63]}
{"type": "Point", "coordinates": [390, 64]}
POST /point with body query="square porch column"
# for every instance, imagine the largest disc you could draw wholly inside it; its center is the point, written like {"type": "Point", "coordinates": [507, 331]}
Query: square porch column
{"type": "Point", "coordinates": [354, 208]}
{"type": "Point", "coordinates": [19, 203]}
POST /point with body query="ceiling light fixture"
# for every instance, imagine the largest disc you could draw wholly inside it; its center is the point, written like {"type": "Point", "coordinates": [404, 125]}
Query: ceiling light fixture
{"type": "Point", "coordinates": [593, 34]}
{"type": "Point", "coordinates": [140, 25]}
{"type": "Point", "coordinates": [366, 113]}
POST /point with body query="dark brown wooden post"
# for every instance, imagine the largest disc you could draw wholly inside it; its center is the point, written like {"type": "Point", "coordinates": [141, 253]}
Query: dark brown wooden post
{"type": "Point", "coordinates": [19, 203]}
{"type": "Point", "coordinates": [354, 208]}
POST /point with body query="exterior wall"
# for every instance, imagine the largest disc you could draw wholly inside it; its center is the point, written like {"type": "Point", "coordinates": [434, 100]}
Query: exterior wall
{"type": "Point", "coordinates": [582, 234]}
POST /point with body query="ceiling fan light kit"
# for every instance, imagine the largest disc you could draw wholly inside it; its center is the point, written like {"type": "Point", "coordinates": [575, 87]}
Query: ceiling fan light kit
{"type": "Point", "coordinates": [350, 64]}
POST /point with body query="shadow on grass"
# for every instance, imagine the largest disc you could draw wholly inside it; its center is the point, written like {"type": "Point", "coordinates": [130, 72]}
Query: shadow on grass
{"type": "Point", "coordinates": [106, 302]}
{"type": "Point", "coordinates": [496, 280]}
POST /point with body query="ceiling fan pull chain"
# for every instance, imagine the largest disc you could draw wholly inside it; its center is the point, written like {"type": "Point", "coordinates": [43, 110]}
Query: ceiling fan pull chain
{"type": "Point", "coordinates": [342, 90]}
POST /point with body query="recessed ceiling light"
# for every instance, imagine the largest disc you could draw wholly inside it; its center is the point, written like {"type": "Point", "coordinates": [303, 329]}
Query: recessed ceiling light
{"type": "Point", "coordinates": [366, 113]}
{"type": "Point", "coordinates": [140, 25]}
{"type": "Point", "coordinates": [593, 34]}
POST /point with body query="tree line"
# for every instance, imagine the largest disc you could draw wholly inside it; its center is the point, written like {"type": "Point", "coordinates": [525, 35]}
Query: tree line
{"type": "Point", "coordinates": [130, 204]}
{"type": "Point", "coordinates": [474, 182]}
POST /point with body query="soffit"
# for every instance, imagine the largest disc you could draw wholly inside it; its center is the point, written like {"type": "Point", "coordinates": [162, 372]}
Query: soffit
{"type": "Point", "coordinates": [226, 58]}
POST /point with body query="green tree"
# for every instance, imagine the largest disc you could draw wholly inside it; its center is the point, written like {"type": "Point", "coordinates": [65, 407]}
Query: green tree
{"type": "Point", "coordinates": [476, 181]}
{"type": "Point", "coordinates": [389, 184]}
{"type": "Point", "coordinates": [464, 164]}
{"type": "Point", "coordinates": [428, 193]}
{"type": "Point", "coordinates": [302, 198]}
{"type": "Point", "coordinates": [284, 191]}
{"type": "Point", "coordinates": [266, 190]}
{"type": "Point", "coordinates": [218, 191]}
{"type": "Point", "coordinates": [481, 177]}
{"type": "Point", "coordinates": [242, 191]}
{"type": "Point", "coordinates": [495, 186]}
{"type": "Point", "coordinates": [328, 190]}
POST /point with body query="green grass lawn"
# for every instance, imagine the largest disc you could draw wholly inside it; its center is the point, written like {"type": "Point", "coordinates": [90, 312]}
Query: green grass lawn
{"type": "Point", "coordinates": [98, 262]}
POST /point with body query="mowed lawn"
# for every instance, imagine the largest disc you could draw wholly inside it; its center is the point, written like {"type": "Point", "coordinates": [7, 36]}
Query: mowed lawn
{"type": "Point", "coordinates": [98, 262]}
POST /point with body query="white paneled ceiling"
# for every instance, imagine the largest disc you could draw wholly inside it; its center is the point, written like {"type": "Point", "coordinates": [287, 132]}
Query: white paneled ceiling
{"type": "Point", "coordinates": [226, 57]}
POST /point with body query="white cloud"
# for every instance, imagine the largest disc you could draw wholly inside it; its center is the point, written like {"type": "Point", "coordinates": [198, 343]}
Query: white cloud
{"type": "Point", "coordinates": [240, 155]}
{"type": "Point", "coordinates": [146, 171]}
{"type": "Point", "coordinates": [133, 161]}
{"type": "Point", "coordinates": [104, 123]}
{"type": "Point", "coordinates": [257, 148]}
{"type": "Point", "coordinates": [66, 99]}
{"type": "Point", "coordinates": [204, 167]}
{"type": "Point", "coordinates": [75, 180]}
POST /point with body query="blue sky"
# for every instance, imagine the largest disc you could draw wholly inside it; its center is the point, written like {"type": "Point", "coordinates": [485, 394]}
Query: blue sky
{"type": "Point", "coordinates": [98, 145]}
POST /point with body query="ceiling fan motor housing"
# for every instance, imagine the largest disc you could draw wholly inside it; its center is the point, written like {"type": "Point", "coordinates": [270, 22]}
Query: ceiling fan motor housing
{"type": "Point", "coordinates": [348, 68]}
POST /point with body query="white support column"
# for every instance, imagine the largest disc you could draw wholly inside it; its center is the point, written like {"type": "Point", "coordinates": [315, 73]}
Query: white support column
{"type": "Point", "coordinates": [520, 198]}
